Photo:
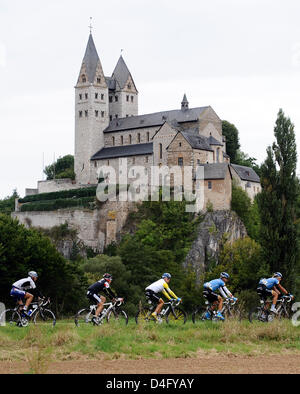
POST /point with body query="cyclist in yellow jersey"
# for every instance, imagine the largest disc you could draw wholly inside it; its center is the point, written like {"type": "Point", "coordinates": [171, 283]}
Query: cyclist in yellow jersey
{"type": "Point", "coordinates": [160, 286]}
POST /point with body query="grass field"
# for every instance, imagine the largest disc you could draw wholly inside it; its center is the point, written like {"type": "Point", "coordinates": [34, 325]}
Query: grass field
{"type": "Point", "coordinates": [39, 345]}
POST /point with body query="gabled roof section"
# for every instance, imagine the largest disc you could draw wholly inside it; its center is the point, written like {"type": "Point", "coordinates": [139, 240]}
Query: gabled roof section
{"type": "Point", "coordinates": [213, 141]}
{"type": "Point", "coordinates": [213, 171]}
{"type": "Point", "coordinates": [246, 173]}
{"type": "Point", "coordinates": [121, 73]}
{"type": "Point", "coordinates": [90, 60]}
{"type": "Point", "coordinates": [155, 119]}
{"type": "Point", "coordinates": [123, 151]}
{"type": "Point", "coordinates": [197, 141]}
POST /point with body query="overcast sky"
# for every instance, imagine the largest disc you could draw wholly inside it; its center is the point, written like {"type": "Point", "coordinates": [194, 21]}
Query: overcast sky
{"type": "Point", "coordinates": [241, 57]}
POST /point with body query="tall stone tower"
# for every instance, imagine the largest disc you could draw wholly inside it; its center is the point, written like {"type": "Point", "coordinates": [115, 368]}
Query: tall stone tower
{"type": "Point", "coordinates": [91, 113]}
{"type": "Point", "coordinates": [123, 95]}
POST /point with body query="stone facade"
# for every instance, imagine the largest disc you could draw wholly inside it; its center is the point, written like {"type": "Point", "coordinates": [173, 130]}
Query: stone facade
{"type": "Point", "coordinates": [96, 228]}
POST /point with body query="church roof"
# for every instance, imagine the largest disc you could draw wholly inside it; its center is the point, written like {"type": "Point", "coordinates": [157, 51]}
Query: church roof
{"type": "Point", "coordinates": [155, 119]}
{"type": "Point", "coordinates": [214, 141]}
{"type": "Point", "coordinates": [91, 59]}
{"type": "Point", "coordinates": [213, 171]}
{"type": "Point", "coordinates": [246, 173]}
{"type": "Point", "coordinates": [197, 141]}
{"type": "Point", "coordinates": [121, 72]}
{"type": "Point", "coordinates": [123, 150]}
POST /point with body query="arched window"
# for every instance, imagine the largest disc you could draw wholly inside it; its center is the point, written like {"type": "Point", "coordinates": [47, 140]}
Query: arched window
{"type": "Point", "coordinates": [83, 78]}
{"type": "Point", "coordinates": [218, 155]}
{"type": "Point", "coordinates": [130, 139]}
{"type": "Point", "coordinates": [160, 151]}
{"type": "Point", "coordinates": [148, 136]}
{"type": "Point", "coordinates": [139, 137]}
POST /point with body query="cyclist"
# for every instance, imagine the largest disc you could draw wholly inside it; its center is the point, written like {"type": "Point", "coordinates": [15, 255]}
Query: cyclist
{"type": "Point", "coordinates": [160, 286]}
{"type": "Point", "coordinates": [103, 285]}
{"type": "Point", "coordinates": [271, 287]}
{"type": "Point", "coordinates": [25, 289]}
{"type": "Point", "coordinates": [209, 293]}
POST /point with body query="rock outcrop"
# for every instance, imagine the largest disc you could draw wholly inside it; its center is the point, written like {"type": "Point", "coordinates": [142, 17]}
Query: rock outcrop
{"type": "Point", "coordinates": [211, 232]}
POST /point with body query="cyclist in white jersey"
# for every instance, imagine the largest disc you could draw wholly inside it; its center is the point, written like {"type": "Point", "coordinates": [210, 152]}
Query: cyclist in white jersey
{"type": "Point", "coordinates": [20, 290]}
{"type": "Point", "coordinates": [160, 286]}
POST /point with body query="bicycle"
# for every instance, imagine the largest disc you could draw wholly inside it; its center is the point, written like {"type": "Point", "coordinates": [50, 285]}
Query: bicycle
{"type": "Point", "coordinates": [228, 311]}
{"type": "Point", "coordinates": [110, 312]}
{"type": "Point", "coordinates": [37, 313]}
{"type": "Point", "coordinates": [263, 314]}
{"type": "Point", "coordinates": [170, 312]}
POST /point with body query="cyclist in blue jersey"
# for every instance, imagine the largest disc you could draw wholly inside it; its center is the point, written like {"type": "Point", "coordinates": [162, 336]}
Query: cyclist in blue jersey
{"type": "Point", "coordinates": [271, 287]}
{"type": "Point", "coordinates": [210, 294]}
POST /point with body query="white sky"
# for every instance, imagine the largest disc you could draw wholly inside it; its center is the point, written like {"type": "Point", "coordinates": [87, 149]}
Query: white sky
{"type": "Point", "coordinates": [242, 57]}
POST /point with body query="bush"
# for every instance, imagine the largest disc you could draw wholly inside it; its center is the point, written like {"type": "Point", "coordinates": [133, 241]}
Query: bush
{"type": "Point", "coordinates": [52, 205]}
{"type": "Point", "coordinates": [81, 192]}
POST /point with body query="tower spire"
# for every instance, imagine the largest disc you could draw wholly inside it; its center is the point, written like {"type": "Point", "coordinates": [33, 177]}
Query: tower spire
{"type": "Point", "coordinates": [184, 103]}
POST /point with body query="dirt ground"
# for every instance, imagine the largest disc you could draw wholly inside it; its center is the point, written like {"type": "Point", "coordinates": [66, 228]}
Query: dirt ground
{"type": "Point", "coordinates": [204, 364]}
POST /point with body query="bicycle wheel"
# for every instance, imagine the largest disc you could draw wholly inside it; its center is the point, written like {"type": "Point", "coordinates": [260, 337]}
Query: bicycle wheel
{"type": "Point", "coordinates": [256, 315]}
{"type": "Point", "coordinates": [84, 316]}
{"type": "Point", "coordinates": [44, 316]}
{"type": "Point", "coordinates": [144, 314]}
{"type": "Point", "coordinates": [177, 316]}
{"type": "Point", "coordinates": [11, 317]}
{"type": "Point", "coordinates": [200, 315]}
{"type": "Point", "coordinates": [118, 317]}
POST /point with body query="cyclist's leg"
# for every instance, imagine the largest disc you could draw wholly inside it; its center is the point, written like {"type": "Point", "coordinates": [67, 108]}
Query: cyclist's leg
{"type": "Point", "coordinates": [28, 297]}
{"type": "Point", "coordinates": [220, 302]}
{"type": "Point", "coordinates": [100, 305]}
{"type": "Point", "coordinates": [274, 299]}
{"type": "Point", "coordinates": [159, 306]}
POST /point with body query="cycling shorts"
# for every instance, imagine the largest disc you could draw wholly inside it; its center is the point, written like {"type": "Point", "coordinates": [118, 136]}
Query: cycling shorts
{"type": "Point", "coordinates": [210, 295]}
{"type": "Point", "coordinates": [93, 297]}
{"type": "Point", "coordinates": [263, 292]}
{"type": "Point", "coordinates": [17, 293]}
{"type": "Point", "coordinates": [152, 296]}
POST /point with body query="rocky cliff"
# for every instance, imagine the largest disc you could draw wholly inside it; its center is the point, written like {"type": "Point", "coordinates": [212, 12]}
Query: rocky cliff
{"type": "Point", "coordinates": [211, 232]}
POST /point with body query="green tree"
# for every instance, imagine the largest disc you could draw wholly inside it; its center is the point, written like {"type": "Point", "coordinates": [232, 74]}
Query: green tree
{"type": "Point", "coordinates": [246, 210]}
{"type": "Point", "coordinates": [277, 202]}
{"type": "Point", "coordinates": [233, 148]}
{"type": "Point", "coordinates": [232, 139]}
{"type": "Point", "coordinates": [62, 168]}
{"type": "Point", "coordinates": [22, 250]}
{"type": "Point", "coordinates": [7, 204]}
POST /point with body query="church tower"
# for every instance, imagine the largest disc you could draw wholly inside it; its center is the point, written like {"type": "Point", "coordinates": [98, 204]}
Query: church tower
{"type": "Point", "coordinates": [123, 98]}
{"type": "Point", "coordinates": [91, 113]}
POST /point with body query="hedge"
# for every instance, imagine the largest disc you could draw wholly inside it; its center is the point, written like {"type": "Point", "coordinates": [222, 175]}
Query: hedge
{"type": "Point", "coordinates": [82, 192]}
{"type": "Point", "coordinates": [52, 205]}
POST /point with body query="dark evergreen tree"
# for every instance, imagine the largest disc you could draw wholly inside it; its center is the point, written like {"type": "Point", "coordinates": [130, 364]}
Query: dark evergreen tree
{"type": "Point", "coordinates": [277, 202]}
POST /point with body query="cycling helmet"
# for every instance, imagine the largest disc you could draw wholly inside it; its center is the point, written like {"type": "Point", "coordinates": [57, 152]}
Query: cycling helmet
{"type": "Point", "coordinates": [107, 276]}
{"type": "Point", "coordinates": [32, 274]}
{"type": "Point", "coordinates": [278, 274]}
{"type": "Point", "coordinates": [166, 275]}
{"type": "Point", "coordinates": [224, 275]}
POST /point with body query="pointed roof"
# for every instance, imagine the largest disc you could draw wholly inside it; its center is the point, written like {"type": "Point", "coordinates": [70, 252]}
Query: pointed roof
{"type": "Point", "coordinates": [184, 103]}
{"type": "Point", "coordinates": [91, 59]}
{"type": "Point", "coordinates": [121, 73]}
{"type": "Point", "coordinates": [184, 100]}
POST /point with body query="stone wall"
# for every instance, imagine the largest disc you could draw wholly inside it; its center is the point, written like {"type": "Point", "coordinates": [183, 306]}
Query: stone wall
{"type": "Point", "coordinates": [56, 185]}
{"type": "Point", "coordinates": [96, 228]}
